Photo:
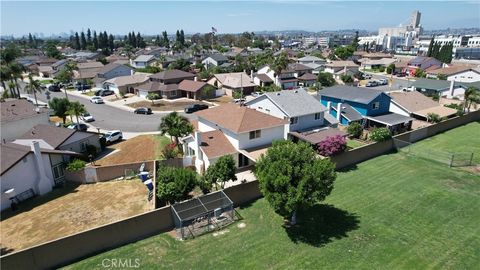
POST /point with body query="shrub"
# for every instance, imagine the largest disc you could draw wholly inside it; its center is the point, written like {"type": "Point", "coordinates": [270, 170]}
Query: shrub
{"type": "Point", "coordinates": [332, 146]}
{"type": "Point", "coordinates": [170, 151]}
{"type": "Point", "coordinates": [75, 165]}
{"type": "Point", "coordinates": [380, 134]}
{"type": "Point", "coordinates": [390, 68]}
{"type": "Point", "coordinates": [346, 78]}
{"type": "Point", "coordinates": [434, 118]}
{"type": "Point", "coordinates": [175, 184]}
{"type": "Point", "coordinates": [355, 130]}
{"type": "Point", "coordinates": [381, 69]}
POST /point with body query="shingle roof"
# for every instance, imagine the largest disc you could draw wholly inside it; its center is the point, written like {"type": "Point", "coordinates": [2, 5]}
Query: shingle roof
{"type": "Point", "coordinates": [453, 70]}
{"type": "Point", "coordinates": [172, 74]}
{"type": "Point", "coordinates": [218, 57]}
{"type": "Point", "coordinates": [293, 102]}
{"type": "Point", "coordinates": [264, 78]}
{"type": "Point", "coordinates": [350, 113]}
{"type": "Point", "coordinates": [296, 67]}
{"type": "Point", "coordinates": [351, 93]}
{"type": "Point", "coordinates": [144, 58]}
{"type": "Point", "coordinates": [131, 79]}
{"type": "Point", "coordinates": [17, 109]}
{"type": "Point", "coordinates": [315, 137]}
{"type": "Point", "coordinates": [52, 135]}
{"type": "Point", "coordinates": [87, 65]}
{"type": "Point", "coordinates": [413, 101]}
{"type": "Point", "coordinates": [191, 86]}
{"type": "Point", "coordinates": [431, 84]}
{"type": "Point", "coordinates": [307, 77]}
{"type": "Point", "coordinates": [215, 144]}
{"type": "Point", "coordinates": [154, 86]}
{"type": "Point", "coordinates": [110, 67]}
{"type": "Point", "coordinates": [341, 64]}
{"type": "Point", "coordinates": [391, 119]}
{"type": "Point", "coordinates": [234, 79]}
{"type": "Point", "coordinates": [310, 58]}
{"type": "Point", "coordinates": [239, 119]}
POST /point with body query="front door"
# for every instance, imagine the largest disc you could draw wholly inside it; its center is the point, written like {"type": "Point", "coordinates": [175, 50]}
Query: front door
{"type": "Point", "coordinates": [242, 160]}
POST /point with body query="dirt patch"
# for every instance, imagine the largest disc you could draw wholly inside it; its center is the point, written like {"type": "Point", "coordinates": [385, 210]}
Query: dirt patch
{"type": "Point", "coordinates": [72, 209]}
{"type": "Point", "coordinates": [161, 105]}
{"type": "Point", "coordinates": [137, 149]}
{"type": "Point", "coordinates": [222, 99]}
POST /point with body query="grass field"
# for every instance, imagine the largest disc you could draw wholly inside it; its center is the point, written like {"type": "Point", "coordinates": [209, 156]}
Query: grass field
{"type": "Point", "coordinates": [354, 143]}
{"type": "Point", "coordinates": [392, 212]}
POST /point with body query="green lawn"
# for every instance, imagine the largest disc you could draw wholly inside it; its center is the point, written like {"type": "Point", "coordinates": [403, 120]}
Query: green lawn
{"type": "Point", "coordinates": [392, 212]}
{"type": "Point", "coordinates": [354, 143]}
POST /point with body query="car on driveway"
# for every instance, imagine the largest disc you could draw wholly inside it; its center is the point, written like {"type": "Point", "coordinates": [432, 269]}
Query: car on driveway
{"type": "Point", "coordinates": [256, 94]}
{"type": "Point", "coordinates": [113, 136]}
{"type": "Point", "coordinates": [81, 87]}
{"type": "Point", "coordinates": [366, 76]}
{"type": "Point", "coordinates": [96, 100]}
{"type": "Point", "coordinates": [81, 127]}
{"type": "Point", "coordinates": [54, 88]}
{"type": "Point", "coordinates": [87, 117]}
{"type": "Point", "coordinates": [195, 107]}
{"type": "Point", "coordinates": [143, 110]}
{"type": "Point", "coordinates": [104, 92]}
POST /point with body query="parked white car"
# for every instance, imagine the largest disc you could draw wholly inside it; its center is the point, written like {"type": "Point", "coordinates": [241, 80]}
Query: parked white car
{"type": "Point", "coordinates": [87, 117]}
{"type": "Point", "coordinates": [113, 136]}
{"type": "Point", "coordinates": [96, 100]}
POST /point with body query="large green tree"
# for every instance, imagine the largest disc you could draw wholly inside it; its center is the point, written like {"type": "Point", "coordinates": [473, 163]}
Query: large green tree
{"type": "Point", "coordinates": [60, 107]}
{"type": "Point", "coordinates": [279, 64]}
{"type": "Point", "coordinates": [222, 171]}
{"type": "Point", "coordinates": [291, 177]}
{"type": "Point", "coordinates": [325, 79]}
{"type": "Point", "coordinates": [175, 184]}
{"type": "Point", "coordinates": [472, 98]}
{"type": "Point", "coordinates": [176, 126]}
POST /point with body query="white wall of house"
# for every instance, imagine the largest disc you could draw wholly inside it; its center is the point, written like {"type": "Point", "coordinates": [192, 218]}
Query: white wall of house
{"type": "Point", "coordinates": [209, 62]}
{"type": "Point", "coordinates": [268, 135]}
{"type": "Point", "coordinates": [394, 108]}
{"type": "Point", "coordinates": [266, 70]}
{"type": "Point", "coordinates": [265, 105]}
{"type": "Point", "coordinates": [78, 141]}
{"type": "Point", "coordinates": [457, 92]}
{"type": "Point", "coordinates": [14, 129]}
{"type": "Point", "coordinates": [22, 177]}
{"type": "Point", "coordinates": [467, 76]}
{"type": "Point", "coordinates": [307, 121]}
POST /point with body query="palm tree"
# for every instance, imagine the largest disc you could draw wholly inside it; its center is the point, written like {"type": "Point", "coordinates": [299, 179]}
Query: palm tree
{"type": "Point", "coordinates": [16, 71]}
{"type": "Point", "coordinates": [472, 98]}
{"type": "Point", "coordinates": [33, 86]}
{"type": "Point", "coordinates": [176, 126]}
{"type": "Point", "coordinates": [279, 64]}
{"type": "Point", "coordinates": [75, 108]}
{"type": "Point", "coordinates": [11, 87]}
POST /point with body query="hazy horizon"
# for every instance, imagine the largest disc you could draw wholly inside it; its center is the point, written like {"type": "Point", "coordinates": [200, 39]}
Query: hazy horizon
{"type": "Point", "coordinates": [152, 17]}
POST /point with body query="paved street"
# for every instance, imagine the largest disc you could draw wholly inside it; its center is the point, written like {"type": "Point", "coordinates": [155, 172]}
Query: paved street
{"type": "Point", "coordinates": [397, 83]}
{"type": "Point", "coordinates": [109, 117]}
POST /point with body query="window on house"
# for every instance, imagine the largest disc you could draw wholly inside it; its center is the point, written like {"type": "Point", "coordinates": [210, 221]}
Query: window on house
{"type": "Point", "coordinates": [267, 110]}
{"type": "Point", "coordinates": [293, 120]}
{"type": "Point", "coordinates": [83, 146]}
{"type": "Point", "coordinates": [173, 94]}
{"type": "Point", "coordinates": [260, 108]}
{"type": "Point", "coordinates": [376, 105]}
{"type": "Point", "coordinates": [318, 116]}
{"type": "Point", "coordinates": [255, 134]}
{"type": "Point", "coordinates": [24, 160]}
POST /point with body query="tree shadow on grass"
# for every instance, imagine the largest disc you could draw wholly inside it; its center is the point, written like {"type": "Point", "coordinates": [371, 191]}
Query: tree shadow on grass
{"type": "Point", "coordinates": [321, 224]}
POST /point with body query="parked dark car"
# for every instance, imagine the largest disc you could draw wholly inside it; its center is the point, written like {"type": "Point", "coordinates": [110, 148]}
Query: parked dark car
{"type": "Point", "coordinates": [143, 110]}
{"type": "Point", "coordinates": [401, 74]}
{"type": "Point", "coordinates": [81, 87]}
{"type": "Point", "coordinates": [195, 107]}
{"type": "Point", "coordinates": [54, 88]}
{"type": "Point", "coordinates": [103, 92]}
{"type": "Point", "coordinates": [81, 127]}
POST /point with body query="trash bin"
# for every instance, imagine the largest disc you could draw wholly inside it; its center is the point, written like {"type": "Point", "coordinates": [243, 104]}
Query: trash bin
{"type": "Point", "coordinates": [143, 176]}
{"type": "Point", "coordinates": [149, 184]}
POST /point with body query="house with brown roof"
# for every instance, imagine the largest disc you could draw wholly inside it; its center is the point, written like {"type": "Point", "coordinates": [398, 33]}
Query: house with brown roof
{"type": "Point", "coordinates": [29, 170]}
{"type": "Point", "coordinates": [234, 82]}
{"type": "Point", "coordinates": [18, 116]}
{"type": "Point", "coordinates": [235, 130]}
{"type": "Point", "coordinates": [417, 105]}
{"type": "Point", "coordinates": [166, 84]}
{"type": "Point", "coordinates": [86, 71]}
{"type": "Point", "coordinates": [294, 76]}
{"type": "Point", "coordinates": [339, 68]}
{"type": "Point", "coordinates": [125, 84]}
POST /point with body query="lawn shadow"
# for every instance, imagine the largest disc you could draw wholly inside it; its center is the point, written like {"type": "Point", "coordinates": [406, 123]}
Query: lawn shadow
{"type": "Point", "coordinates": [29, 204]}
{"type": "Point", "coordinates": [321, 224]}
{"type": "Point", "coordinates": [349, 168]}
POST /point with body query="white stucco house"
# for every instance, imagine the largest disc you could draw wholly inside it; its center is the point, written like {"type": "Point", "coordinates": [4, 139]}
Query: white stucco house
{"type": "Point", "coordinates": [18, 116]}
{"type": "Point", "coordinates": [27, 171]}
{"type": "Point", "coordinates": [235, 130]}
{"type": "Point", "coordinates": [142, 61]}
{"type": "Point", "coordinates": [458, 73]}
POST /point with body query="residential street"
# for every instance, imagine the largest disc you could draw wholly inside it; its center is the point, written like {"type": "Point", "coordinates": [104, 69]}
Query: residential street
{"type": "Point", "coordinates": [398, 83]}
{"type": "Point", "coordinates": [110, 118]}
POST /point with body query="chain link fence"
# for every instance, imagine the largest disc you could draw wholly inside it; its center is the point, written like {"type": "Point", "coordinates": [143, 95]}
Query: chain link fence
{"type": "Point", "coordinates": [452, 159]}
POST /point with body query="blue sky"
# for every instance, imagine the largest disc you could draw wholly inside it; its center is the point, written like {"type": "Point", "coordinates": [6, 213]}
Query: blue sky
{"type": "Point", "coordinates": [152, 17]}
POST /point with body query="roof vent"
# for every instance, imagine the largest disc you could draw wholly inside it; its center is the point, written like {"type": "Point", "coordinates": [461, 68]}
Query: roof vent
{"type": "Point", "coordinates": [296, 91]}
{"type": "Point", "coordinates": [210, 137]}
{"type": "Point", "coordinates": [278, 94]}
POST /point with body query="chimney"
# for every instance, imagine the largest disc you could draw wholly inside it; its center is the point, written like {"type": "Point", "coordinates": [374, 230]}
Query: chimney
{"type": "Point", "coordinates": [198, 138]}
{"type": "Point", "coordinates": [339, 111]}
{"type": "Point", "coordinates": [329, 106]}
{"type": "Point", "coordinates": [251, 75]}
{"type": "Point", "coordinates": [42, 183]}
{"type": "Point", "coordinates": [452, 88]}
{"type": "Point", "coordinates": [132, 72]}
{"type": "Point", "coordinates": [195, 78]}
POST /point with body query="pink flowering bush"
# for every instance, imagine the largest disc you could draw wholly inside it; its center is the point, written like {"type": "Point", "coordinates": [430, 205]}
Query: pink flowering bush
{"type": "Point", "coordinates": [331, 146]}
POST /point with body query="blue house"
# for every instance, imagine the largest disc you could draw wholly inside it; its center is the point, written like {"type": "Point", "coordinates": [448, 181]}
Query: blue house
{"type": "Point", "coordinates": [368, 106]}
